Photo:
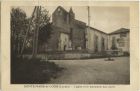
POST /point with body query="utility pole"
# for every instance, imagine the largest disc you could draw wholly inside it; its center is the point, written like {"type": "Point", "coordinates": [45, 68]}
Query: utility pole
{"type": "Point", "coordinates": [88, 29]}
{"type": "Point", "coordinates": [88, 16]}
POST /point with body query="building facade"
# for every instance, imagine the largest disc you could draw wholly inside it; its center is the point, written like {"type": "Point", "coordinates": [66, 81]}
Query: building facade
{"type": "Point", "coordinates": [97, 41]}
{"type": "Point", "coordinates": [119, 40]}
{"type": "Point", "coordinates": [68, 33]}
{"type": "Point", "coordinates": [71, 34]}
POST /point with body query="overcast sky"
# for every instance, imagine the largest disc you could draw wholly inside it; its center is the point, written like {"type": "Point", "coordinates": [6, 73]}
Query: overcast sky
{"type": "Point", "coordinates": [106, 19]}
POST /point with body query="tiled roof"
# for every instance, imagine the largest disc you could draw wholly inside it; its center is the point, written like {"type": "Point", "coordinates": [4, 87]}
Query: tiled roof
{"type": "Point", "coordinates": [121, 30]}
{"type": "Point", "coordinates": [80, 23]}
{"type": "Point", "coordinates": [97, 30]}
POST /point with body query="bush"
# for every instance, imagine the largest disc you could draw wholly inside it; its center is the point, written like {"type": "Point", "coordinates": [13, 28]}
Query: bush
{"type": "Point", "coordinates": [28, 71]}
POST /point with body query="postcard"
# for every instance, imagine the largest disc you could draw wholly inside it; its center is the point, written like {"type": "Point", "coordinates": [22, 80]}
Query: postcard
{"type": "Point", "coordinates": [69, 45]}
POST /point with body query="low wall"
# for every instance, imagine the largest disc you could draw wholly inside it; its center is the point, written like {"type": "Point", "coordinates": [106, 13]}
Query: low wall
{"type": "Point", "coordinates": [67, 56]}
{"type": "Point", "coordinates": [64, 56]}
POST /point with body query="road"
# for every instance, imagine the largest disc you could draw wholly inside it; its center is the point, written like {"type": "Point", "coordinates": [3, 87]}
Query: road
{"type": "Point", "coordinates": [93, 71]}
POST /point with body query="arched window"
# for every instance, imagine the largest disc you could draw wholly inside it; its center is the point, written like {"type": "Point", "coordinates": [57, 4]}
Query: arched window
{"type": "Point", "coordinates": [59, 11]}
{"type": "Point", "coordinates": [113, 43]}
{"type": "Point", "coordinates": [103, 44]}
{"type": "Point", "coordinates": [96, 43]}
{"type": "Point", "coordinates": [71, 32]}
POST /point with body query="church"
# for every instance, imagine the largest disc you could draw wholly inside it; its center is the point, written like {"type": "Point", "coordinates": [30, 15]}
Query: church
{"type": "Point", "coordinates": [70, 34]}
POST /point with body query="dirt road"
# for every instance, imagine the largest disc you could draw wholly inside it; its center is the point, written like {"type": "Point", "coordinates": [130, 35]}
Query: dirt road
{"type": "Point", "coordinates": [93, 71]}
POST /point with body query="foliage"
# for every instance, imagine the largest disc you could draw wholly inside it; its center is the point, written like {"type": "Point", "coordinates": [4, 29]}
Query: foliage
{"type": "Point", "coordinates": [44, 17]}
{"type": "Point", "coordinates": [19, 24]}
{"type": "Point", "coordinates": [44, 34]}
{"type": "Point", "coordinates": [32, 71]}
{"type": "Point", "coordinates": [24, 70]}
{"type": "Point", "coordinates": [45, 29]}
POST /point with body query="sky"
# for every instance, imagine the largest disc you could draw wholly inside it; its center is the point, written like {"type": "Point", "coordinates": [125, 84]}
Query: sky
{"type": "Point", "coordinates": [106, 19]}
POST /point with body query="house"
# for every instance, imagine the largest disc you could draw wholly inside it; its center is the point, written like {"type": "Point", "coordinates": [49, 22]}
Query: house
{"type": "Point", "coordinates": [119, 40]}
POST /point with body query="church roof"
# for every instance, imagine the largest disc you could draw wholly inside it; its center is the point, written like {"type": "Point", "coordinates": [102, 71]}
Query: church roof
{"type": "Point", "coordinates": [80, 23]}
{"type": "Point", "coordinates": [121, 30]}
{"type": "Point", "coordinates": [83, 24]}
{"type": "Point", "coordinates": [97, 30]}
{"type": "Point", "coordinates": [61, 9]}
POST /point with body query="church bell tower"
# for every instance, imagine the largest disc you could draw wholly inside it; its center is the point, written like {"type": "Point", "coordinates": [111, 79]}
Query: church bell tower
{"type": "Point", "coordinates": [71, 15]}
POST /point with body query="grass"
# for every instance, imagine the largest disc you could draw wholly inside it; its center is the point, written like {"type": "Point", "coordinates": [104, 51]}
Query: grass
{"type": "Point", "coordinates": [32, 71]}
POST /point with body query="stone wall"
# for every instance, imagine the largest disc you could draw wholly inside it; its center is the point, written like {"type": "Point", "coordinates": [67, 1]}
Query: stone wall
{"type": "Point", "coordinates": [97, 40]}
{"type": "Point", "coordinates": [60, 18]}
{"type": "Point", "coordinates": [78, 35]}
{"type": "Point", "coordinates": [68, 24]}
{"type": "Point", "coordinates": [122, 43]}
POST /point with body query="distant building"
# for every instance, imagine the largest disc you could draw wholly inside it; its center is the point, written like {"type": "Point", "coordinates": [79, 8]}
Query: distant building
{"type": "Point", "coordinates": [71, 34]}
{"type": "Point", "coordinates": [119, 40]}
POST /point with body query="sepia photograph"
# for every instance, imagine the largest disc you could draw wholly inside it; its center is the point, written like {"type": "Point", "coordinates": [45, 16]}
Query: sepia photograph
{"type": "Point", "coordinates": [70, 45]}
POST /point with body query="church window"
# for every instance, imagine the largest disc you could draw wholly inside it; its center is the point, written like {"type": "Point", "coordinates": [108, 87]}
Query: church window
{"type": "Point", "coordinates": [59, 11]}
{"type": "Point", "coordinates": [103, 44]}
{"type": "Point", "coordinates": [96, 43]}
{"type": "Point", "coordinates": [71, 32]}
{"type": "Point", "coordinates": [65, 17]}
{"type": "Point", "coordinates": [113, 47]}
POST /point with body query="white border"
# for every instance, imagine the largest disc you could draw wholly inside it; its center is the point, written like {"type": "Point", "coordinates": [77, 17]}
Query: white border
{"type": "Point", "coordinates": [5, 46]}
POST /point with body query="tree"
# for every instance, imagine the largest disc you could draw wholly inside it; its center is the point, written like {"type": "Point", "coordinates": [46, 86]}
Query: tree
{"type": "Point", "coordinates": [44, 33]}
{"type": "Point", "coordinates": [19, 24]}
{"type": "Point", "coordinates": [22, 26]}
{"type": "Point", "coordinates": [45, 27]}
{"type": "Point", "coordinates": [44, 18]}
